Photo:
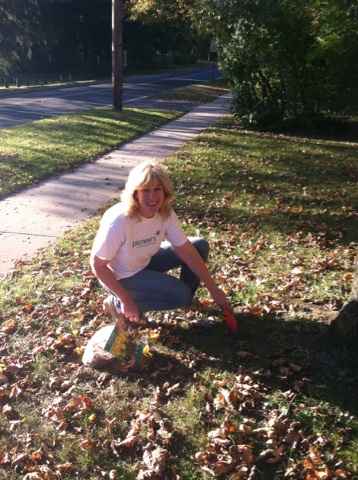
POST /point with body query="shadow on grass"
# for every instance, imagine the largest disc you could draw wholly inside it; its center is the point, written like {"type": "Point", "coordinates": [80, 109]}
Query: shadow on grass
{"type": "Point", "coordinates": [328, 128]}
{"type": "Point", "coordinates": [275, 348]}
{"type": "Point", "coordinates": [267, 344]}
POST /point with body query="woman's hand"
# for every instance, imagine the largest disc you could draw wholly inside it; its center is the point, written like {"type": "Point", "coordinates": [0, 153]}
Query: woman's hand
{"type": "Point", "coordinates": [130, 310]}
{"type": "Point", "coordinates": [103, 273]}
{"type": "Point", "coordinates": [219, 297]}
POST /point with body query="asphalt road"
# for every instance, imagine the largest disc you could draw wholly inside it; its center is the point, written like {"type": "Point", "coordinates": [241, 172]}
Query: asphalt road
{"type": "Point", "coordinates": [35, 105]}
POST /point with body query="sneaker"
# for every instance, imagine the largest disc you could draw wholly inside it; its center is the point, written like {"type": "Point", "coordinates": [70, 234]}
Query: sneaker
{"type": "Point", "coordinates": [110, 307]}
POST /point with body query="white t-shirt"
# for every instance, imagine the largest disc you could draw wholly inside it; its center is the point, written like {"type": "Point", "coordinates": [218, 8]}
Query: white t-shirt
{"type": "Point", "coordinates": [129, 243]}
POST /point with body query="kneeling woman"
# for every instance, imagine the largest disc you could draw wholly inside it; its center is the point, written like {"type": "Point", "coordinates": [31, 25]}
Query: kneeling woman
{"type": "Point", "coordinates": [139, 240]}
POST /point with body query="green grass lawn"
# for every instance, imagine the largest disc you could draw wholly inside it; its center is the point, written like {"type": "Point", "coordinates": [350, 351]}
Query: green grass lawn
{"type": "Point", "coordinates": [197, 93]}
{"type": "Point", "coordinates": [33, 152]}
{"type": "Point", "coordinates": [279, 211]}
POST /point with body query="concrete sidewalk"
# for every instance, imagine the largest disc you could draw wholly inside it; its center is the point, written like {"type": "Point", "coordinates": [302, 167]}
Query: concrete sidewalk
{"type": "Point", "coordinates": [36, 217]}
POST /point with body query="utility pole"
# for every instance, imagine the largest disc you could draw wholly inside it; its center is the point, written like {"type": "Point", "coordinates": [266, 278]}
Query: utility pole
{"type": "Point", "coordinates": [117, 54]}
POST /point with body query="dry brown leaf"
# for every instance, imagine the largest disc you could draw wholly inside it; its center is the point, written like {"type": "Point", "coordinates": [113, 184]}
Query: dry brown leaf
{"type": "Point", "coordinates": [7, 411]}
{"type": "Point", "coordinates": [85, 443]}
{"type": "Point", "coordinates": [165, 433]}
{"type": "Point", "coordinates": [315, 467]}
{"type": "Point", "coordinates": [129, 442]}
{"type": "Point", "coordinates": [297, 272]}
{"type": "Point", "coordinates": [15, 391]}
{"type": "Point", "coordinates": [342, 474]}
{"type": "Point", "coordinates": [314, 455]}
{"type": "Point", "coordinates": [65, 468]}
{"type": "Point", "coordinates": [37, 455]}
{"type": "Point", "coordinates": [224, 464]}
{"type": "Point", "coordinates": [318, 473]}
{"type": "Point", "coordinates": [246, 453]}
{"type": "Point", "coordinates": [9, 326]}
{"type": "Point", "coordinates": [199, 456]}
{"type": "Point", "coordinates": [19, 459]}
{"type": "Point", "coordinates": [156, 459]}
{"type": "Point", "coordinates": [265, 432]}
{"type": "Point", "coordinates": [231, 396]}
{"type": "Point", "coordinates": [33, 476]}
{"type": "Point", "coordinates": [218, 402]}
{"type": "Point", "coordinates": [245, 429]}
{"type": "Point", "coordinates": [134, 430]}
{"type": "Point", "coordinates": [292, 437]}
{"type": "Point", "coordinates": [275, 454]}
{"type": "Point", "coordinates": [3, 391]}
{"type": "Point", "coordinates": [174, 389]}
{"type": "Point", "coordinates": [243, 354]}
{"type": "Point", "coordinates": [79, 404]}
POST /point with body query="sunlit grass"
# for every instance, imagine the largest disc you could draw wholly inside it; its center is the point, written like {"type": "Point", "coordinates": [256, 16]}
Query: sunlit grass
{"type": "Point", "coordinates": [31, 152]}
{"type": "Point", "coordinates": [198, 93]}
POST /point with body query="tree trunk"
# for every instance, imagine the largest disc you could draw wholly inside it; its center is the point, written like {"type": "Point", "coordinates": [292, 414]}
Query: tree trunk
{"type": "Point", "coordinates": [337, 346]}
{"type": "Point", "coordinates": [344, 328]}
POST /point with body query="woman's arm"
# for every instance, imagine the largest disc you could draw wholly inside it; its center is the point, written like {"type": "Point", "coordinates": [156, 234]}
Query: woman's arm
{"type": "Point", "coordinates": [106, 276]}
{"type": "Point", "coordinates": [190, 256]}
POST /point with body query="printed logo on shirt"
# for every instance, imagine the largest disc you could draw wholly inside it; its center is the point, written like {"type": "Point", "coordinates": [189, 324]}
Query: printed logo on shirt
{"type": "Point", "coordinates": [144, 242]}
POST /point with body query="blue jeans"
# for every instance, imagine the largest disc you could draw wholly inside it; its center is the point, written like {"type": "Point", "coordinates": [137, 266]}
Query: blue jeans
{"type": "Point", "coordinates": [152, 289]}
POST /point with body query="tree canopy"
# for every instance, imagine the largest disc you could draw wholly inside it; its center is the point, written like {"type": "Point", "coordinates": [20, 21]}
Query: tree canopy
{"type": "Point", "coordinates": [18, 30]}
{"type": "Point", "coordinates": [55, 36]}
{"type": "Point", "coordinates": [283, 58]}
{"type": "Point", "coordinates": [152, 11]}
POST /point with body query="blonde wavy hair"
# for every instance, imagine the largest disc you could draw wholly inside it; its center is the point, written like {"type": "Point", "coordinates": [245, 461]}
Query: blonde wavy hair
{"type": "Point", "coordinates": [138, 178]}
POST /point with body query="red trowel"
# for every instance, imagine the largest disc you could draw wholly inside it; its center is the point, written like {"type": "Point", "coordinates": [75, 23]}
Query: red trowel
{"type": "Point", "coordinates": [230, 320]}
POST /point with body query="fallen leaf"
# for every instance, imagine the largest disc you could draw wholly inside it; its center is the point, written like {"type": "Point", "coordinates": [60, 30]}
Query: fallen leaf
{"type": "Point", "coordinates": [129, 442]}
{"type": "Point", "coordinates": [297, 272]}
{"type": "Point", "coordinates": [156, 459]}
{"type": "Point", "coordinates": [244, 354]}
